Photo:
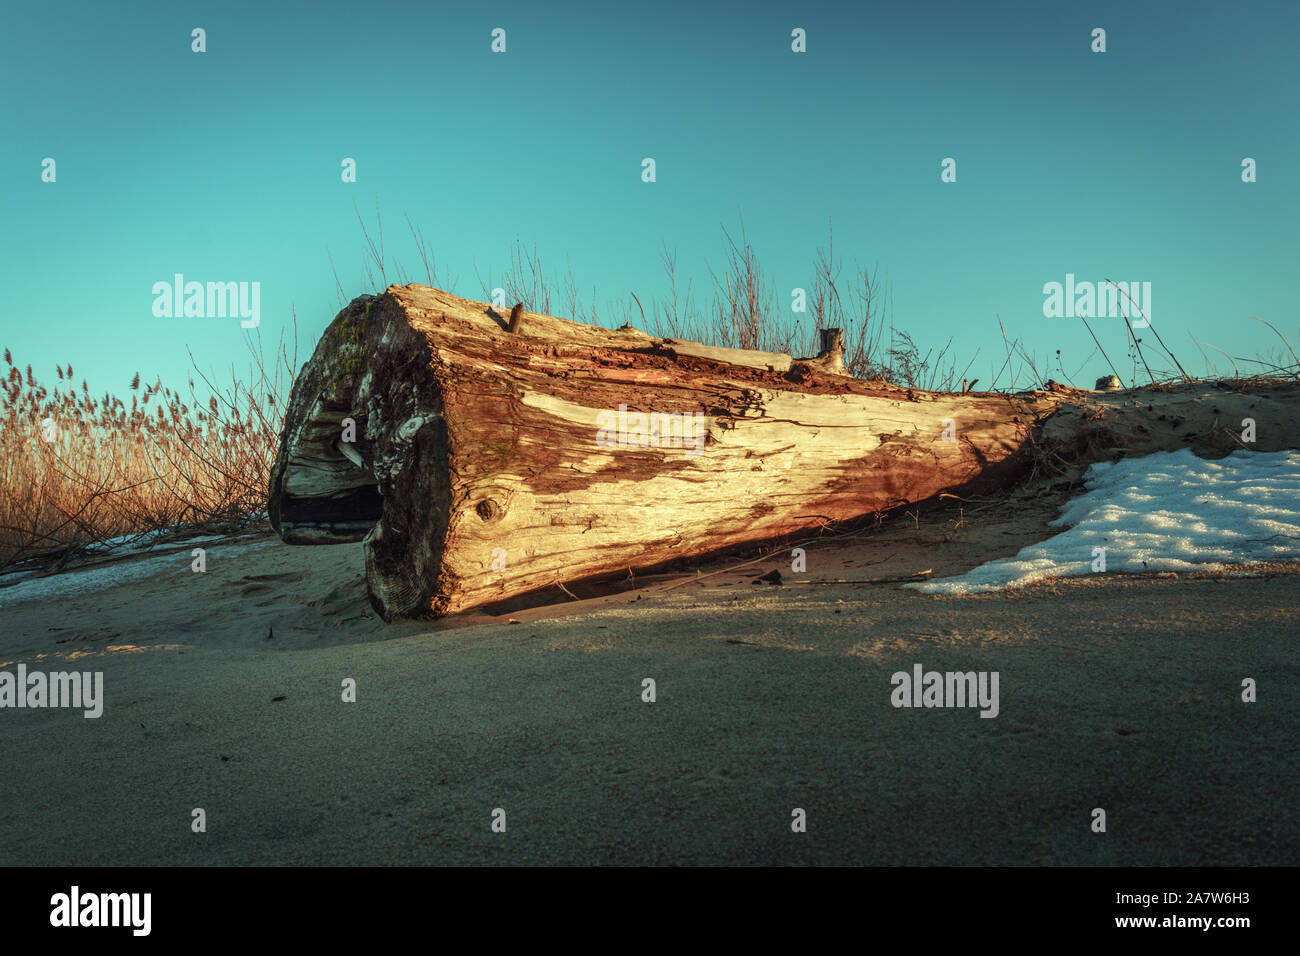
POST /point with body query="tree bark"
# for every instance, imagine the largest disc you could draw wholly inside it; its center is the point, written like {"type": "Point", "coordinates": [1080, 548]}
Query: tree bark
{"type": "Point", "coordinates": [487, 463]}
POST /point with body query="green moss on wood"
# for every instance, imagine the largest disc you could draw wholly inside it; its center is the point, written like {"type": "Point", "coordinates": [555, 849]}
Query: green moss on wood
{"type": "Point", "coordinates": [347, 334]}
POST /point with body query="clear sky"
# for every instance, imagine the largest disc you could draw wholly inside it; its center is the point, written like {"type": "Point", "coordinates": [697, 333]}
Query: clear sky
{"type": "Point", "coordinates": [225, 165]}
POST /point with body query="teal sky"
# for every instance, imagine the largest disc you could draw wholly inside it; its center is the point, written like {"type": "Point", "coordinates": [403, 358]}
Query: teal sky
{"type": "Point", "coordinates": [225, 166]}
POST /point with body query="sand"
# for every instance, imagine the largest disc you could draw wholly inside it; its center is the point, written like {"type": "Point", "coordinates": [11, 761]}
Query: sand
{"type": "Point", "coordinates": [223, 692]}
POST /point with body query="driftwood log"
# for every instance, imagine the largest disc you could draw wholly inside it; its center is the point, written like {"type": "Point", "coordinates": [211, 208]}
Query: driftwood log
{"type": "Point", "coordinates": [479, 463]}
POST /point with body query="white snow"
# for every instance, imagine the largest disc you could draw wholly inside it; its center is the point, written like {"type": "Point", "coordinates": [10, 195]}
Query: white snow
{"type": "Point", "coordinates": [1169, 511]}
{"type": "Point", "coordinates": [69, 583]}
{"type": "Point", "coordinates": [145, 540]}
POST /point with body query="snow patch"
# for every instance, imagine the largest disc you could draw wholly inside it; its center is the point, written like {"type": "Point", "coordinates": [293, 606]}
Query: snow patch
{"type": "Point", "coordinates": [1169, 511]}
{"type": "Point", "coordinates": [69, 583]}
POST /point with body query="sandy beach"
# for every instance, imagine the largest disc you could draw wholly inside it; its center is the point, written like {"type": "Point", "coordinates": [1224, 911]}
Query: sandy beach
{"type": "Point", "coordinates": [223, 692]}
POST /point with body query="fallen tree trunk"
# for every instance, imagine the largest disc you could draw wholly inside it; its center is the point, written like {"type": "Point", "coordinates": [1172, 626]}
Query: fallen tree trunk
{"type": "Point", "coordinates": [479, 463]}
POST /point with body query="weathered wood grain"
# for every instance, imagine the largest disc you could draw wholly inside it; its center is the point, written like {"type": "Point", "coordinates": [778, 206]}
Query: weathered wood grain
{"type": "Point", "coordinates": [485, 471]}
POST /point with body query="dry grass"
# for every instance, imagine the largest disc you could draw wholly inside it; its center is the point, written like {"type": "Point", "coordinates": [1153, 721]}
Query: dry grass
{"type": "Point", "coordinates": [741, 309]}
{"type": "Point", "coordinates": [76, 469]}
